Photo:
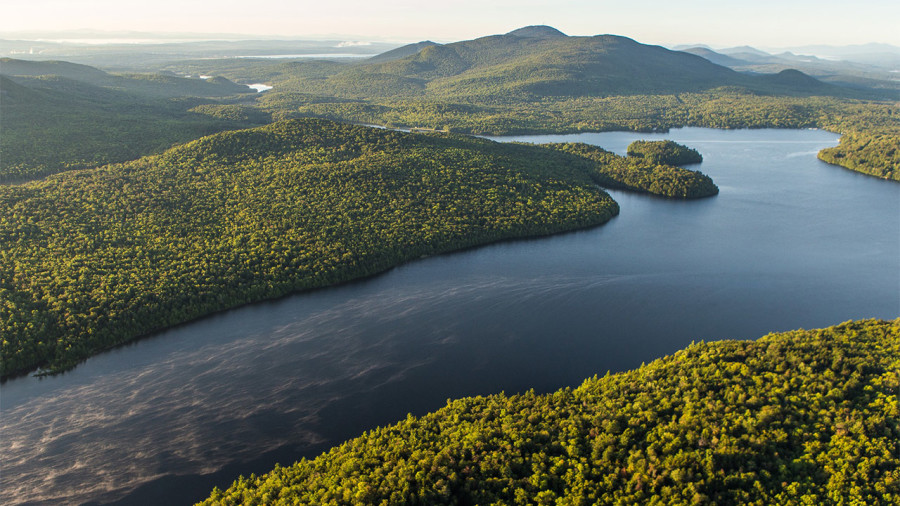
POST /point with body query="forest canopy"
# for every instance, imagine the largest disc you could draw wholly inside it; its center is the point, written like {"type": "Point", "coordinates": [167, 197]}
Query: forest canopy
{"type": "Point", "coordinates": [664, 152]}
{"type": "Point", "coordinates": [94, 258]}
{"type": "Point", "coordinates": [801, 417]}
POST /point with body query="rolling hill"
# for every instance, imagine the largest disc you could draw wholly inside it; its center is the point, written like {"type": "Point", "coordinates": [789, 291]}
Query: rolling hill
{"type": "Point", "coordinates": [715, 57]}
{"type": "Point", "coordinates": [59, 116]}
{"type": "Point", "coordinates": [150, 85]}
{"type": "Point", "coordinates": [532, 62]}
{"type": "Point", "coordinates": [537, 80]}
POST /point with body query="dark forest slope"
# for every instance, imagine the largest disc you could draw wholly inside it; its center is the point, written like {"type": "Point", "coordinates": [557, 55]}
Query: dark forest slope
{"type": "Point", "coordinates": [52, 124]}
{"type": "Point", "coordinates": [59, 115]}
{"type": "Point", "coordinates": [156, 85]}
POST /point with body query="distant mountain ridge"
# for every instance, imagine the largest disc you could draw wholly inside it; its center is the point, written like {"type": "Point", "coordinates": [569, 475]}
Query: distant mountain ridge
{"type": "Point", "coordinates": [715, 57]}
{"type": "Point", "coordinates": [152, 85]}
{"type": "Point", "coordinates": [882, 55]}
{"type": "Point", "coordinates": [531, 62]}
{"type": "Point", "coordinates": [744, 50]}
{"type": "Point", "coordinates": [16, 67]}
{"type": "Point", "coordinates": [859, 70]}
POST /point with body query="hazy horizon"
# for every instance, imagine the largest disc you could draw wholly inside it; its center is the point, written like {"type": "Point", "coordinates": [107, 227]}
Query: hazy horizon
{"type": "Point", "coordinates": [88, 36]}
{"type": "Point", "coordinates": [765, 23]}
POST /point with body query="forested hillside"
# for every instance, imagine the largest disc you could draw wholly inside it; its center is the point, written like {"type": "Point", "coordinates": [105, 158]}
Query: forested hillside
{"type": "Point", "coordinates": [52, 124]}
{"type": "Point", "coordinates": [665, 152]}
{"type": "Point", "coordinates": [874, 153]}
{"type": "Point", "coordinates": [538, 62]}
{"type": "Point", "coordinates": [156, 85]}
{"type": "Point", "coordinates": [59, 116]}
{"type": "Point", "coordinates": [538, 80]}
{"type": "Point", "coordinates": [872, 129]}
{"type": "Point", "coordinates": [94, 258]}
{"type": "Point", "coordinates": [532, 80]}
{"type": "Point", "coordinates": [802, 417]}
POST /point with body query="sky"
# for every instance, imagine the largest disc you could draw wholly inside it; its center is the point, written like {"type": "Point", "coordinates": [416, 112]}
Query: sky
{"type": "Point", "coordinates": [719, 23]}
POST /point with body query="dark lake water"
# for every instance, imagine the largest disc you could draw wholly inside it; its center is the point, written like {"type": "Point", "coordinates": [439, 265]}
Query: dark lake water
{"type": "Point", "coordinates": [789, 242]}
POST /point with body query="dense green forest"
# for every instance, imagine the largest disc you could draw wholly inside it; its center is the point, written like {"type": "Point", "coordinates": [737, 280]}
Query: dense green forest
{"type": "Point", "coordinates": [637, 173]}
{"type": "Point", "coordinates": [719, 108]}
{"type": "Point", "coordinates": [94, 258]}
{"type": "Point", "coordinates": [664, 152]}
{"type": "Point", "coordinates": [801, 417]}
{"type": "Point", "coordinates": [61, 116]}
{"type": "Point", "coordinates": [149, 85]}
{"type": "Point", "coordinates": [875, 153]}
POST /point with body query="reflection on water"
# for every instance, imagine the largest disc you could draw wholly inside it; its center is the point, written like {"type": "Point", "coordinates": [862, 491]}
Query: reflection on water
{"type": "Point", "coordinates": [136, 423]}
{"type": "Point", "coordinates": [789, 242]}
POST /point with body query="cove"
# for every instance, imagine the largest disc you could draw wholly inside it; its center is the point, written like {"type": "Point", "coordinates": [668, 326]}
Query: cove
{"type": "Point", "coordinates": [789, 242]}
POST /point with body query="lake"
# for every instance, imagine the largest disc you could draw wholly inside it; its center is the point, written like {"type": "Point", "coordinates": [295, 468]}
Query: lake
{"type": "Point", "coordinates": [790, 242]}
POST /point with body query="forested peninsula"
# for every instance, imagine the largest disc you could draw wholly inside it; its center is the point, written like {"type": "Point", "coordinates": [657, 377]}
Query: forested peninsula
{"type": "Point", "coordinates": [801, 417]}
{"type": "Point", "coordinates": [95, 258]}
{"type": "Point", "coordinates": [644, 174]}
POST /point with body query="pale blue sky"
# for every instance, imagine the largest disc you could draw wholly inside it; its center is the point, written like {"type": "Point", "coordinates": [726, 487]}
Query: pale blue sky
{"type": "Point", "coordinates": [719, 23]}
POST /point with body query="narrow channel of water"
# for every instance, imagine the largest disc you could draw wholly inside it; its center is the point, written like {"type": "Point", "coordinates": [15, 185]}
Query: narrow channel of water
{"type": "Point", "coordinates": [789, 242]}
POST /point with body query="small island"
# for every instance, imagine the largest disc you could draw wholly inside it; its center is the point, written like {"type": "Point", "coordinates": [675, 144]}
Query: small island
{"type": "Point", "coordinates": [639, 174]}
{"type": "Point", "coordinates": [664, 152]}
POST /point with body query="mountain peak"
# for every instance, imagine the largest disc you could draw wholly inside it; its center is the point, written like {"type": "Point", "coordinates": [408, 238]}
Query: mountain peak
{"type": "Point", "coordinates": [795, 80]}
{"type": "Point", "coordinates": [402, 52]}
{"type": "Point", "coordinates": [537, 31]}
{"type": "Point", "coordinates": [743, 49]}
